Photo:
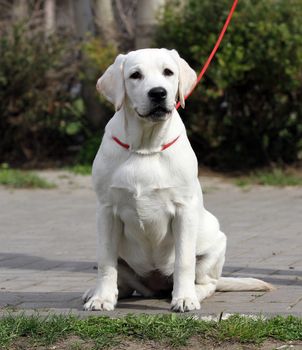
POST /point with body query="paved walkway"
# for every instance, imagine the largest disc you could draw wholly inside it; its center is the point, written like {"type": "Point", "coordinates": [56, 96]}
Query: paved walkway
{"type": "Point", "coordinates": [47, 248]}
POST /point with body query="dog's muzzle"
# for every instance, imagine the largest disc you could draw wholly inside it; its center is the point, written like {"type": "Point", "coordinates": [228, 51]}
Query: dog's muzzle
{"type": "Point", "coordinates": [158, 110]}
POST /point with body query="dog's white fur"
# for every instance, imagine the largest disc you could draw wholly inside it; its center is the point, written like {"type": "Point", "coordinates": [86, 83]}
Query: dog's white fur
{"type": "Point", "coordinates": [150, 210]}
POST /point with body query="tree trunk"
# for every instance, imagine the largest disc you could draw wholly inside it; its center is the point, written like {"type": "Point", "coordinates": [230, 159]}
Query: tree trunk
{"type": "Point", "coordinates": [50, 16]}
{"type": "Point", "coordinates": [84, 25]}
{"type": "Point", "coordinates": [65, 18]}
{"type": "Point", "coordinates": [148, 13]}
{"type": "Point", "coordinates": [83, 18]}
{"type": "Point", "coordinates": [104, 18]}
{"type": "Point", "coordinates": [20, 10]}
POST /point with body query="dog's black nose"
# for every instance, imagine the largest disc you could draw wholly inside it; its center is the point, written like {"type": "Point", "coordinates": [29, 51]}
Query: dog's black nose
{"type": "Point", "coordinates": [157, 94]}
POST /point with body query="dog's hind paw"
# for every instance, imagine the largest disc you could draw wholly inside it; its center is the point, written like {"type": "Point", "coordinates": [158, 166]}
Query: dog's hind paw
{"type": "Point", "coordinates": [87, 295]}
{"type": "Point", "coordinates": [184, 304]}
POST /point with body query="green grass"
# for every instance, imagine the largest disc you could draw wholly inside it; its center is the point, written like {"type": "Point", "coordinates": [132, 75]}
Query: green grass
{"type": "Point", "coordinates": [22, 179]}
{"type": "Point", "coordinates": [275, 177]}
{"type": "Point", "coordinates": [172, 330]}
{"type": "Point", "coordinates": [81, 169]}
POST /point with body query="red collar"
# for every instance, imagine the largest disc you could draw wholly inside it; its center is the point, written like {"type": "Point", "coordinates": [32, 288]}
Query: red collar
{"type": "Point", "coordinates": [126, 146]}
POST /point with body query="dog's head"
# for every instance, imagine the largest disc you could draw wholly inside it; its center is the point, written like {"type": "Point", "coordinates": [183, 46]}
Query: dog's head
{"type": "Point", "coordinates": [149, 80]}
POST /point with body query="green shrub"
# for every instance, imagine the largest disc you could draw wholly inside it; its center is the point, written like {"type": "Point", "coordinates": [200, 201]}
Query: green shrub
{"type": "Point", "coordinates": [47, 88]}
{"type": "Point", "coordinates": [247, 111]}
{"type": "Point", "coordinates": [89, 149]}
{"type": "Point", "coordinates": [37, 113]}
{"type": "Point", "coordinates": [22, 179]}
{"type": "Point", "coordinates": [96, 57]}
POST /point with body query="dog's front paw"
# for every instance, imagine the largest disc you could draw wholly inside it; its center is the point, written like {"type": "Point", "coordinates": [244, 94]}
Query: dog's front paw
{"type": "Point", "coordinates": [185, 304]}
{"type": "Point", "coordinates": [95, 302]}
{"type": "Point", "coordinates": [98, 304]}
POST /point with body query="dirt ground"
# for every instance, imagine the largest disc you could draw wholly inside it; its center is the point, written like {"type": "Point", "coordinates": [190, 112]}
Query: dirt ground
{"type": "Point", "coordinates": [76, 343]}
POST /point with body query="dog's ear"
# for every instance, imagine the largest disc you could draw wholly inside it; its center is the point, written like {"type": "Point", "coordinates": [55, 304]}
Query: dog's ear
{"type": "Point", "coordinates": [187, 77]}
{"type": "Point", "coordinates": [111, 83]}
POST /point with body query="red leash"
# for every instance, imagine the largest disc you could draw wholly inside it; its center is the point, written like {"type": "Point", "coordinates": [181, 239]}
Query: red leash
{"type": "Point", "coordinates": [206, 65]}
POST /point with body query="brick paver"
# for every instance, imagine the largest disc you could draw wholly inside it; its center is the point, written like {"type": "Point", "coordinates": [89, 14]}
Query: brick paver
{"type": "Point", "coordinates": [47, 248]}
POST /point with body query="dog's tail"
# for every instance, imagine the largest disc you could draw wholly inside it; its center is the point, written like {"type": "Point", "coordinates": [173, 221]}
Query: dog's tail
{"type": "Point", "coordinates": [235, 284]}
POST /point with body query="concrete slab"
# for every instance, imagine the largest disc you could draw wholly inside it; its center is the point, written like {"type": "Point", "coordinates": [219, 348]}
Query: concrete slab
{"type": "Point", "coordinates": [48, 251]}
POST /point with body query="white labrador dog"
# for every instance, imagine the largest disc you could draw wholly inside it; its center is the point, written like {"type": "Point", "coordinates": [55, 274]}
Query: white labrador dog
{"type": "Point", "coordinates": [154, 234]}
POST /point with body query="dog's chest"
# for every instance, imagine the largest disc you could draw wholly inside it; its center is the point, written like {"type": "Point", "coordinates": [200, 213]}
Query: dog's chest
{"type": "Point", "coordinates": [144, 195]}
{"type": "Point", "coordinates": [143, 209]}
{"type": "Point", "coordinates": [147, 242]}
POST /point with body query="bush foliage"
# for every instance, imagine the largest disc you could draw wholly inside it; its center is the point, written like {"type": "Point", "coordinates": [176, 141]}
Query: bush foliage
{"type": "Point", "coordinates": [248, 109]}
{"type": "Point", "coordinates": [37, 110]}
{"type": "Point", "coordinates": [42, 109]}
{"type": "Point", "coordinates": [97, 56]}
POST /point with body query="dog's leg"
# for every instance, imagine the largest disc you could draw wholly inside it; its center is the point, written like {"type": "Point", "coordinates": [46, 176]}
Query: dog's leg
{"type": "Point", "coordinates": [184, 228]}
{"type": "Point", "coordinates": [128, 282]}
{"type": "Point", "coordinates": [209, 269]}
{"type": "Point", "coordinates": [104, 296]}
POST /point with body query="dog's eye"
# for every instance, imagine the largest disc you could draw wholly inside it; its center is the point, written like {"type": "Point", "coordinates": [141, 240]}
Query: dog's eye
{"type": "Point", "coordinates": [136, 75]}
{"type": "Point", "coordinates": [168, 72]}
